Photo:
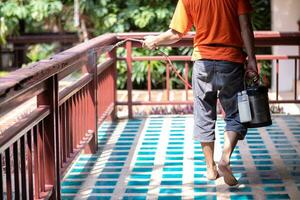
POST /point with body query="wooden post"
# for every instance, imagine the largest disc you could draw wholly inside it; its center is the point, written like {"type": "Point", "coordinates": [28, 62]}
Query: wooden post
{"type": "Point", "coordinates": [92, 118]}
{"type": "Point", "coordinates": [1, 64]}
{"type": "Point", "coordinates": [299, 52]}
{"type": "Point", "coordinates": [52, 139]}
{"type": "Point", "coordinates": [20, 49]}
{"type": "Point", "coordinates": [149, 80]}
{"type": "Point", "coordinates": [113, 54]}
{"type": "Point", "coordinates": [129, 73]}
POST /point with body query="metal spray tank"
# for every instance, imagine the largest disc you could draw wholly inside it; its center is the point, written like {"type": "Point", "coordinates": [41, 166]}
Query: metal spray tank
{"type": "Point", "coordinates": [258, 102]}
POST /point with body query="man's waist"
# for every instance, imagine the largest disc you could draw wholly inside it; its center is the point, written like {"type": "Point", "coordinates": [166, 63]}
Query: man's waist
{"type": "Point", "coordinates": [221, 45]}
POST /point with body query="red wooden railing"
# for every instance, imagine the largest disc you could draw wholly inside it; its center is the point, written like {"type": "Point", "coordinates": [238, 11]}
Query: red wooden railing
{"type": "Point", "coordinates": [262, 39]}
{"type": "Point", "coordinates": [36, 151]}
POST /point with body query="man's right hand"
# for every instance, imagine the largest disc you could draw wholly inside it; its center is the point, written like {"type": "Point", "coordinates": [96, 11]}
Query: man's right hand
{"type": "Point", "coordinates": [150, 42]}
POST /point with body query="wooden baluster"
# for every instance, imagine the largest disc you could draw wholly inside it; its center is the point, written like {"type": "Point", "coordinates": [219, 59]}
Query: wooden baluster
{"type": "Point", "coordinates": [8, 174]}
{"type": "Point", "coordinates": [295, 87]}
{"type": "Point", "coordinates": [149, 80]}
{"type": "Point", "coordinates": [186, 76]}
{"type": "Point", "coordinates": [129, 73]}
{"type": "Point", "coordinates": [52, 139]}
{"type": "Point", "coordinates": [80, 116]}
{"type": "Point", "coordinates": [63, 133]}
{"type": "Point", "coordinates": [37, 187]}
{"type": "Point", "coordinates": [23, 168]}
{"type": "Point", "coordinates": [1, 178]}
{"type": "Point", "coordinates": [277, 79]}
{"type": "Point", "coordinates": [92, 102]}
{"type": "Point", "coordinates": [168, 81]}
{"type": "Point", "coordinates": [68, 129]}
{"type": "Point", "coordinates": [41, 155]}
{"type": "Point", "coordinates": [29, 165]}
{"type": "Point", "coordinates": [16, 170]}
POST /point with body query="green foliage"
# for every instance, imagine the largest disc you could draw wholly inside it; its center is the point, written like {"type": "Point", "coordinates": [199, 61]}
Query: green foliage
{"type": "Point", "coordinates": [261, 16]}
{"type": "Point", "coordinates": [30, 11]}
{"type": "Point", "coordinates": [40, 51]}
{"type": "Point", "coordinates": [101, 16]}
{"type": "Point", "coordinates": [266, 73]}
{"type": "Point", "coordinates": [3, 73]}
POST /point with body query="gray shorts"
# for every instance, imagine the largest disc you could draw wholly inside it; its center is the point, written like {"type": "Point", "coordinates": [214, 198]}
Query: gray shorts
{"type": "Point", "coordinates": [212, 80]}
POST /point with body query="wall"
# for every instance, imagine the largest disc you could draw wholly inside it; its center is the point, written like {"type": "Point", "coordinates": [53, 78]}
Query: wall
{"type": "Point", "coordinates": [285, 17]}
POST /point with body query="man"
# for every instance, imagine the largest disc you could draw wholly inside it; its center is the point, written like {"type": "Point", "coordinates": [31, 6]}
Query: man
{"type": "Point", "coordinates": [223, 28]}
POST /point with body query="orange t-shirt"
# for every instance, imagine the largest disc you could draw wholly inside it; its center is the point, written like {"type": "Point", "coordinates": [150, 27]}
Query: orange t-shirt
{"type": "Point", "coordinates": [218, 32]}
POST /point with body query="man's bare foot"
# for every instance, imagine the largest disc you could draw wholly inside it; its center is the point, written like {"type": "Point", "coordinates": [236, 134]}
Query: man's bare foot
{"type": "Point", "coordinates": [212, 172]}
{"type": "Point", "coordinates": [227, 173]}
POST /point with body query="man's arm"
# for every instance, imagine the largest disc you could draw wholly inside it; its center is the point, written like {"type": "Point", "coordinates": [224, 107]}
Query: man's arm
{"type": "Point", "coordinates": [248, 39]}
{"type": "Point", "coordinates": [169, 37]}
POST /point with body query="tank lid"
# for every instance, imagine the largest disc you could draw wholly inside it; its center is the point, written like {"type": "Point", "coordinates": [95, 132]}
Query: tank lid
{"type": "Point", "coordinates": [256, 90]}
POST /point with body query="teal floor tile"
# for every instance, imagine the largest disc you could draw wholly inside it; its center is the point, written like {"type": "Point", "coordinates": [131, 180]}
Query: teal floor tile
{"type": "Point", "coordinates": [170, 190]}
{"type": "Point", "coordinates": [112, 170]}
{"type": "Point", "coordinates": [108, 176]}
{"type": "Point", "coordinates": [205, 197]}
{"type": "Point", "coordinates": [72, 183]}
{"type": "Point", "coordinates": [99, 198]}
{"type": "Point", "coordinates": [173, 163]}
{"type": "Point", "coordinates": [174, 158]}
{"type": "Point", "coordinates": [169, 198]}
{"type": "Point", "coordinates": [172, 169]}
{"type": "Point", "coordinates": [64, 197]}
{"type": "Point", "coordinates": [138, 183]}
{"type": "Point", "coordinates": [77, 176]}
{"type": "Point", "coordinates": [147, 153]}
{"type": "Point", "coordinates": [241, 197]}
{"type": "Point", "coordinates": [205, 189]}
{"type": "Point", "coordinates": [69, 190]}
{"type": "Point", "coordinates": [240, 189]}
{"type": "Point", "coordinates": [136, 190]}
{"type": "Point", "coordinates": [277, 196]}
{"type": "Point", "coordinates": [105, 183]}
{"type": "Point", "coordinates": [172, 176]}
{"type": "Point", "coordinates": [142, 169]}
{"type": "Point", "coordinates": [134, 198]}
{"type": "Point", "coordinates": [114, 164]}
{"type": "Point", "coordinates": [175, 182]}
{"type": "Point", "coordinates": [102, 190]}
{"type": "Point", "coordinates": [146, 164]}
{"type": "Point", "coordinates": [274, 189]}
{"type": "Point", "coordinates": [117, 159]}
{"type": "Point", "coordinates": [140, 176]}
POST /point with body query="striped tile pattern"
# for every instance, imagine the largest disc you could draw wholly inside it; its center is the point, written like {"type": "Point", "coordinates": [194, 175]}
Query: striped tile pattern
{"type": "Point", "coordinates": [157, 158]}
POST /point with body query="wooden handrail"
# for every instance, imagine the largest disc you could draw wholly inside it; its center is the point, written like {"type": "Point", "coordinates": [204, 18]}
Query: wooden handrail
{"type": "Point", "coordinates": [262, 38]}
{"type": "Point", "coordinates": [37, 38]}
{"type": "Point", "coordinates": [23, 78]}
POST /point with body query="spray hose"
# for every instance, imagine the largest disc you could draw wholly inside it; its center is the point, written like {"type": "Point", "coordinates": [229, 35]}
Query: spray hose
{"type": "Point", "coordinates": [171, 65]}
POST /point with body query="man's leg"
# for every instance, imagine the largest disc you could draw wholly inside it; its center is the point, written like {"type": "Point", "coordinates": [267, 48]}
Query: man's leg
{"type": "Point", "coordinates": [230, 141]}
{"type": "Point", "coordinates": [208, 150]}
{"type": "Point", "coordinates": [231, 80]}
{"type": "Point", "coordinates": [205, 99]}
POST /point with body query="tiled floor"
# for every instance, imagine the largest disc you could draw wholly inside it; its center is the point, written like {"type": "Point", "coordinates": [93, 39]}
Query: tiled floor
{"type": "Point", "coordinates": [156, 158]}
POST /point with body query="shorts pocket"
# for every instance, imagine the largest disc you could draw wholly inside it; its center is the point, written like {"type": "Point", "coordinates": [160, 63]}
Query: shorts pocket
{"type": "Point", "coordinates": [201, 81]}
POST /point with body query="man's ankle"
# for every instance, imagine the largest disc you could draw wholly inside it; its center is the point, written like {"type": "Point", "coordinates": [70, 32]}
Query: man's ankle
{"type": "Point", "coordinates": [211, 165]}
{"type": "Point", "coordinates": [224, 162]}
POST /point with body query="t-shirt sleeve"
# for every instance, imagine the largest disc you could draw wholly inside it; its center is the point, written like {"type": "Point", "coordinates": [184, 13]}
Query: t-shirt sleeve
{"type": "Point", "coordinates": [244, 7]}
{"type": "Point", "coordinates": [181, 21]}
